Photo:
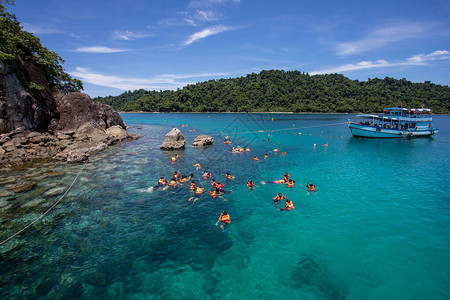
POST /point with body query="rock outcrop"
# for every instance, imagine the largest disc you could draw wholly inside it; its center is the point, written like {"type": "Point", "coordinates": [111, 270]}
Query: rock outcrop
{"type": "Point", "coordinates": [46, 126]}
{"type": "Point", "coordinates": [174, 140]}
{"type": "Point", "coordinates": [18, 108]}
{"type": "Point", "coordinates": [203, 140]}
{"type": "Point", "coordinates": [77, 112]}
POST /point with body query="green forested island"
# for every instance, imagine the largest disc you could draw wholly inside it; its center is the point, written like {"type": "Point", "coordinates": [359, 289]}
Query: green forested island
{"type": "Point", "coordinates": [287, 91]}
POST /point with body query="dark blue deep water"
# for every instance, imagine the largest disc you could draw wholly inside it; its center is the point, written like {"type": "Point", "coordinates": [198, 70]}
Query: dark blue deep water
{"type": "Point", "coordinates": [377, 228]}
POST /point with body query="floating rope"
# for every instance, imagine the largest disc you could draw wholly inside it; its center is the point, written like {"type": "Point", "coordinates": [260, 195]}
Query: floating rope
{"type": "Point", "coordinates": [283, 129]}
{"type": "Point", "coordinates": [48, 210]}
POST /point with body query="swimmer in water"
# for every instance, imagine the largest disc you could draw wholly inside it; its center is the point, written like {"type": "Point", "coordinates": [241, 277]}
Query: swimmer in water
{"type": "Point", "coordinates": [173, 183]}
{"type": "Point", "coordinates": [224, 218]}
{"type": "Point", "coordinates": [311, 188]}
{"type": "Point", "coordinates": [161, 182]}
{"type": "Point", "coordinates": [290, 183]}
{"type": "Point", "coordinates": [288, 205]}
{"type": "Point", "coordinates": [197, 193]}
{"type": "Point", "coordinates": [184, 179]}
{"type": "Point", "coordinates": [278, 198]}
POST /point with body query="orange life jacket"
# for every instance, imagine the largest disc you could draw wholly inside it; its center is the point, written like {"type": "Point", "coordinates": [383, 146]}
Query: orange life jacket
{"type": "Point", "coordinates": [162, 181]}
{"type": "Point", "coordinates": [213, 184]}
{"type": "Point", "coordinates": [199, 190]}
{"type": "Point", "coordinates": [172, 183]}
{"type": "Point", "coordinates": [255, 158]}
{"type": "Point", "coordinates": [213, 194]}
{"type": "Point", "coordinates": [311, 188]}
{"type": "Point", "coordinates": [225, 219]}
{"type": "Point", "coordinates": [249, 184]}
{"type": "Point", "coordinates": [228, 176]}
{"type": "Point", "coordinates": [278, 198]}
{"type": "Point", "coordinates": [174, 158]}
{"type": "Point", "coordinates": [193, 186]}
{"type": "Point", "coordinates": [290, 184]}
{"type": "Point", "coordinates": [183, 179]}
{"type": "Point", "coordinates": [289, 205]}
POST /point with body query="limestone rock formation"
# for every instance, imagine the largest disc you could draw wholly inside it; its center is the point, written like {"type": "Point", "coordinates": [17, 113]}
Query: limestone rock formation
{"type": "Point", "coordinates": [203, 140]}
{"type": "Point", "coordinates": [173, 140]}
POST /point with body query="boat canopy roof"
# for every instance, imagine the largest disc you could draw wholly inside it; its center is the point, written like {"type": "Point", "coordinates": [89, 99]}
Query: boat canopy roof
{"type": "Point", "coordinates": [410, 110]}
{"type": "Point", "coordinates": [376, 117]}
{"type": "Point", "coordinates": [367, 116]}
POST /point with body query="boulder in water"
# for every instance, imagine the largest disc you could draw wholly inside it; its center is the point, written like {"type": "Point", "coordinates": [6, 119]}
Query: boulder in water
{"type": "Point", "coordinates": [173, 140]}
{"type": "Point", "coordinates": [23, 187]}
{"type": "Point", "coordinates": [203, 140]}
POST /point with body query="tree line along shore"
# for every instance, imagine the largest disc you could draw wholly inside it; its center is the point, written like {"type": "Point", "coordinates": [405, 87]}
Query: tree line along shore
{"type": "Point", "coordinates": [287, 91]}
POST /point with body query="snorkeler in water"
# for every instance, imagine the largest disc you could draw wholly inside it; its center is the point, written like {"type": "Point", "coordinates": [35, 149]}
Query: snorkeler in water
{"type": "Point", "coordinates": [224, 218]}
{"type": "Point", "coordinates": [290, 183]}
{"type": "Point", "coordinates": [173, 183]}
{"type": "Point", "coordinates": [184, 179]}
{"type": "Point", "coordinates": [278, 198]}
{"type": "Point", "coordinates": [197, 193]}
{"type": "Point", "coordinates": [288, 205]}
{"type": "Point", "coordinates": [311, 188]}
{"type": "Point", "coordinates": [161, 182]}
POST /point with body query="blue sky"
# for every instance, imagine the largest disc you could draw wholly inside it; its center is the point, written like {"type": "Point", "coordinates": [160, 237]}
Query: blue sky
{"type": "Point", "coordinates": [114, 46]}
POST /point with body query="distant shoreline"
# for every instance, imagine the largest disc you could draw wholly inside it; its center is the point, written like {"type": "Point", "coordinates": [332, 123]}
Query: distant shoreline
{"type": "Point", "coordinates": [230, 112]}
{"type": "Point", "coordinates": [254, 112]}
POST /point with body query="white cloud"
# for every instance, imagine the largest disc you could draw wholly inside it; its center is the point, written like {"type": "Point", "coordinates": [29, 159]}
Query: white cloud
{"type": "Point", "coordinates": [423, 58]}
{"type": "Point", "coordinates": [203, 11]}
{"type": "Point", "coordinates": [207, 3]}
{"type": "Point", "coordinates": [415, 60]}
{"type": "Point", "coordinates": [207, 32]}
{"type": "Point", "coordinates": [129, 35]}
{"type": "Point", "coordinates": [159, 82]}
{"type": "Point", "coordinates": [382, 37]}
{"type": "Point", "coordinates": [99, 49]}
{"type": "Point", "coordinates": [39, 29]}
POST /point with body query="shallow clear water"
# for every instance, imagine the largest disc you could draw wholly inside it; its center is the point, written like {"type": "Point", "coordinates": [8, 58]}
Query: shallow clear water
{"type": "Point", "coordinates": [378, 227]}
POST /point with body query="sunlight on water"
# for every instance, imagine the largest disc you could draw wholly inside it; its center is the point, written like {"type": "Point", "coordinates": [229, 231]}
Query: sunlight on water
{"type": "Point", "coordinates": [377, 228]}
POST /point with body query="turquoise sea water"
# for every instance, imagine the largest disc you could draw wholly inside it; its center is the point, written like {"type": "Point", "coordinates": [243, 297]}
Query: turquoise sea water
{"type": "Point", "coordinates": [378, 227]}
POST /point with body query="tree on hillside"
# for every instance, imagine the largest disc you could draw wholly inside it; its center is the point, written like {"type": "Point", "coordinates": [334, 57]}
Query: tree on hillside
{"type": "Point", "coordinates": [18, 45]}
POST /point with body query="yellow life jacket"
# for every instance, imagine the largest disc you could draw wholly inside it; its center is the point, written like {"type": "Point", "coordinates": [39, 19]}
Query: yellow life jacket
{"type": "Point", "coordinates": [225, 219]}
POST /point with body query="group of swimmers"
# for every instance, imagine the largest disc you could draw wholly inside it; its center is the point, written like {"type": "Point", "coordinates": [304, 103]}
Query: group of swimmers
{"type": "Point", "coordinates": [177, 179]}
{"type": "Point", "coordinates": [218, 187]}
{"type": "Point", "coordinates": [240, 149]}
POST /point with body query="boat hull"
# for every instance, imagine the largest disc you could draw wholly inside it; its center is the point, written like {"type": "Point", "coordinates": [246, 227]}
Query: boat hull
{"type": "Point", "coordinates": [366, 131]}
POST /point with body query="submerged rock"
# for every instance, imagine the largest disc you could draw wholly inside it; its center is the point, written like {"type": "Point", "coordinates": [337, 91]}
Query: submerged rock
{"type": "Point", "coordinates": [23, 187]}
{"type": "Point", "coordinates": [314, 277]}
{"type": "Point", "coordinates": [173, 140]}
{"type": "Point", "coordinates": [54, 192]}
{"type": "Point", "coordinates": [203, 140]}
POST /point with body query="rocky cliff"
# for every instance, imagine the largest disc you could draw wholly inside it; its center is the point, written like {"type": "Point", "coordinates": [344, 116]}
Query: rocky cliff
{"type": "Point", "coordinates": [49, 125]}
